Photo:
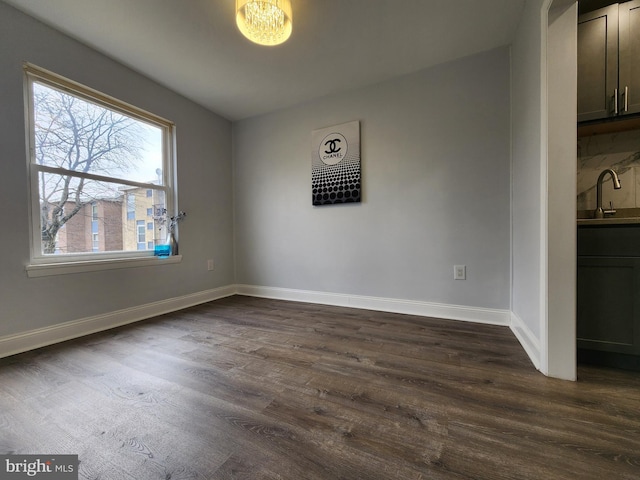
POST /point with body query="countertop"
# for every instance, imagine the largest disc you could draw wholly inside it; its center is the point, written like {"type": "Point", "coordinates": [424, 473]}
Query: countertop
{"type": "Point", "coordinates": [623, 216]}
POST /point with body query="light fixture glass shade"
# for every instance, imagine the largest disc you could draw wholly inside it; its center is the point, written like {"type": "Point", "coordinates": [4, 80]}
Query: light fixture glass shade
{"type": "Point", "coordinates": [266, 22]}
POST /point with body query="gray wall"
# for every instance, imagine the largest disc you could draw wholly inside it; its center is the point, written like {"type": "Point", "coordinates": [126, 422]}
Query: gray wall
{"type": "Point", "coordinates": [204, 177]}
{"type": "Point", "coordinates": [562, 54]}
{"type": "Point", "coordinates": [435, 174]}
{"type": "Point", "coordinates": [527, 184]}
{"type": "Point", "coordinates": [543, 184]}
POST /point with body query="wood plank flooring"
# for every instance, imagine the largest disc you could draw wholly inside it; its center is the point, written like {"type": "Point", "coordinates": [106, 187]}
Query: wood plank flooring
{"type": "Point", "coordinates": [248, 388]}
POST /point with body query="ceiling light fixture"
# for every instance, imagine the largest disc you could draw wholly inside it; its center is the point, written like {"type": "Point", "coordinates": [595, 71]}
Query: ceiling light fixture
{"type": "Point", "coordinates": [266, 22]}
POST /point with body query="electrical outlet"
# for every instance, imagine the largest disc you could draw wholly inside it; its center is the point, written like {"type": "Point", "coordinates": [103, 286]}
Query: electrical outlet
{"type": "Point", "coordinates": [459, 272]}
{"type": "Point", "coordinates": [210, 264]}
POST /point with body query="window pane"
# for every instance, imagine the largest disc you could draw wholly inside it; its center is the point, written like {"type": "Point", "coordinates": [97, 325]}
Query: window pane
{"type": "Point", "coordinates": [131, 207]}
{"type": "Point", "coordinates": [78, 135]}
{"type": "Point", "coordinates": [142, 237]}
{"type": "Point", "coordinates": [90, 211]}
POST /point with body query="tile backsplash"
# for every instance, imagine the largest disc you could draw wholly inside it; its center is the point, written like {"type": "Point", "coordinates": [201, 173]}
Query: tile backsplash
{"type": "Point", "coordinates": [619, 151]}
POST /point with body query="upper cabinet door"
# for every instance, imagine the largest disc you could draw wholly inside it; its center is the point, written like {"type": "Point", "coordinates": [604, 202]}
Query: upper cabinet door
{"type": "Point", "coordinates": [629, 57]}
{"type": "Point", "coordinates": [598, 64]}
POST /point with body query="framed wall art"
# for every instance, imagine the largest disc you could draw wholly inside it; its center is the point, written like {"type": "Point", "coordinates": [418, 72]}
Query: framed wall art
{"type": "Point", "coordinates": [335, 164]}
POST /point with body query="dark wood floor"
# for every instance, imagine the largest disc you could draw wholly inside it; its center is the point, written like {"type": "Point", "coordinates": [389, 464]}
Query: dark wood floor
{"type": "Point", "coordinates": [247, 388]}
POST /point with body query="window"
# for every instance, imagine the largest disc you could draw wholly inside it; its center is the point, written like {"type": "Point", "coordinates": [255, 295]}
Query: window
{"type": "Point", "coordinates": [93, 156]}
{"type": "Point", "coordinates": [142, 235]}
{"type": "Point", "coordinates": [131, 206]}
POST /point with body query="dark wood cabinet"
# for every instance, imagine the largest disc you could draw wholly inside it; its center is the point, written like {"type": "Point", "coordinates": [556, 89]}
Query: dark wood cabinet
{"type": "Point", "coordinates": [609, 304]}
{"type": "Point", "coordinates": [608, 293]}
{"type": "Point", "coordinates": [609, 62]}
{"type": "Point", "coordinates": [629, 57]}
{"type": "Point", "coordinates": [597, 63]}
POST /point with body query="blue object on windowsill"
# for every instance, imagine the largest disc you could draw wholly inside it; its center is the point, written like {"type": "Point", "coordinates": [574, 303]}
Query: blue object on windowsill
{"type": "Point", "coordinates": [162, 250]}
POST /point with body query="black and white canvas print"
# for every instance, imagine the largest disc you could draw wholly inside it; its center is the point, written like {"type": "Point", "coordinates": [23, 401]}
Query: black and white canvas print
{"type": "Point", "coordinates": [335, 164]}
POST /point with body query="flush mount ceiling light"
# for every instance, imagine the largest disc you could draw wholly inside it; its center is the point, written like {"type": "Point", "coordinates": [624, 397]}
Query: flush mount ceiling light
{"type": "Point", "coordinates": [266, 22]}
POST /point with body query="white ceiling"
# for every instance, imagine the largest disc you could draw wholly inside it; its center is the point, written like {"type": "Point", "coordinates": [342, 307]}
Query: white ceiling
{"type": "Point", "coordinates": [194, 47]}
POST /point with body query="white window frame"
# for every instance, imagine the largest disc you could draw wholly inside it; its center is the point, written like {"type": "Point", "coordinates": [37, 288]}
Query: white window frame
{"type": "Point", "coordinates": [41, 264]}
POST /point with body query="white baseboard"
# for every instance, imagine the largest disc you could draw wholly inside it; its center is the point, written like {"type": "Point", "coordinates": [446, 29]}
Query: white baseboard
{"type": "Point", "coordinates": [527, 339]}
{"type": "Point", "coordinates": [32, 339]}
{"type": "Point", "coordinates": [410, 307]}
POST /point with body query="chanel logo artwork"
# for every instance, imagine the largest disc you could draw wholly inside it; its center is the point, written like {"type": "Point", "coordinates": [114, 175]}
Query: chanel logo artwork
{"type": "Point", "coordinates": [335, 169]}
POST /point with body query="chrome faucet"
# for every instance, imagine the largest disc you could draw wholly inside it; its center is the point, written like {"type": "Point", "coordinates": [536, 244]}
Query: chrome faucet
{"type": "Point", "coordinates": [599, 213]}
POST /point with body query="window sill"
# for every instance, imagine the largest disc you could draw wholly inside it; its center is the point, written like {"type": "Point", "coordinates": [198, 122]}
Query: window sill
{"type": "Point", "coordinates": [46, 269]}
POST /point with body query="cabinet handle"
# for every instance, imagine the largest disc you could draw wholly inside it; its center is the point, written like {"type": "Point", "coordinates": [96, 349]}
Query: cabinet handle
{"type": "Point", "coordinates": [626, 99]}
{"type": "Point", "coordinates": [615, 102]}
